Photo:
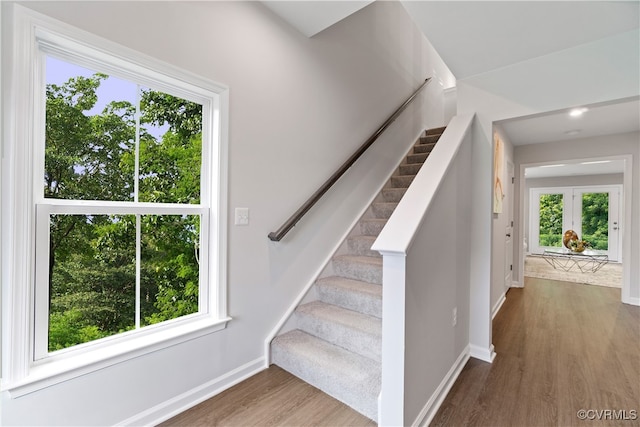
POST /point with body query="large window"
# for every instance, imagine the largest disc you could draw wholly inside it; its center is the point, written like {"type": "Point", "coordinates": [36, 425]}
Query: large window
{"type": "Point", "coordinates": [117, 177]}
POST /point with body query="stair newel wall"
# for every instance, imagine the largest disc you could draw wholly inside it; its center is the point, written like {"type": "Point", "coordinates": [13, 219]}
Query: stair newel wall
{"type": "Point", "coordinates": [426, 275]}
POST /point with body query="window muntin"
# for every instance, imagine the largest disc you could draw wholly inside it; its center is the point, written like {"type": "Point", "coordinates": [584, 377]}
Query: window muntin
{"type": "Point", "coordinates": [127, 145]}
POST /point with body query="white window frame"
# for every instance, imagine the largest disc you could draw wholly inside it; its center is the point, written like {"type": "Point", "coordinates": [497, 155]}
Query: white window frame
{"type": "Point", "coordinates": [22, 201]}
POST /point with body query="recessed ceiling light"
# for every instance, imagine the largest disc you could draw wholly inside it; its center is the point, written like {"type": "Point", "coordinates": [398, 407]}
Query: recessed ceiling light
{"type": "Point", "coordinates": [573, 132]}
{"type": "Point", "coordinates": [552, 166]}
{"type": "Point", "coordinates": [596, 162]}
{"type": "Point", "coordinates": [577, 112]}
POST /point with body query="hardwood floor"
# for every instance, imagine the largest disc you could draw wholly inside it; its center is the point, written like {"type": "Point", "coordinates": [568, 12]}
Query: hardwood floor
{"type": "Point", "coordinates": [271, 398]}
{"type": "Point", "coordinates": [561, 347]}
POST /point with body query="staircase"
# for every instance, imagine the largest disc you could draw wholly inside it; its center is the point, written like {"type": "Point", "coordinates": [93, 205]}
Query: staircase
{"type": "Point", "coordinates": [337, 343]}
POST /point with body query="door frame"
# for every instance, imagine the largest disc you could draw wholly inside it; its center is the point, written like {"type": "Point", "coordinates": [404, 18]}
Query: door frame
{"type": "Point", "coordinates": [625, 235]}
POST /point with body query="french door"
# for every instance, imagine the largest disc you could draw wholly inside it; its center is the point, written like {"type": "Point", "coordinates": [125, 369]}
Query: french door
{"type": "Point", "coordinates": [592, 212]}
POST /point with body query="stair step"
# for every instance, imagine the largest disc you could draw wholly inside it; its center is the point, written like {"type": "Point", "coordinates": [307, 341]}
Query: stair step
{"type": "Point", "coordinates": [429, 139]}
{"type": "Point", "coordinates": [435, 130]}
{"type": "Point", "coordinates": [383, 209]}
{"type": "Point", "coordinates": [410, 169]}
{"type": "Point", "coordinates": [348, 377]}
{"type": "Point", "coordinates": [423, 148]}
{"type": "Point", "coordinates": [417, 158]}
{"type": "Point", "coordinates": [372, 226]}
{"type": "Point", "coordinates": [401, 181]}
{"type": "Point", "coordinates": [353, 331]}
{"type": "Point", "coordinates": [365, 268]}
{"type": "Point", "coordinates": [393, 194]}
{"type": "Point", "coordinates": [361, 245]}
{"type": "Point", "coordinates": [351, 294]}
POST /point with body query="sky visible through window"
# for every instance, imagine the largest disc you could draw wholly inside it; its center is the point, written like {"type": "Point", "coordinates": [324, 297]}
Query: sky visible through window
{"type": "Point", "coordinates": [111, 89]}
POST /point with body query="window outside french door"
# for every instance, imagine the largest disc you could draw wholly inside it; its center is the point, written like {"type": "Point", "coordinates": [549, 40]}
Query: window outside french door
{"type": "Point", "coordinates": [592, 212]}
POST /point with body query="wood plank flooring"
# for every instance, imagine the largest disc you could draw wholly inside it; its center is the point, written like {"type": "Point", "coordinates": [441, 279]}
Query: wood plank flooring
{"type": "Point", "coordinates": [561, 347]}
{"type": "Point", "coordinates": [271, 398]}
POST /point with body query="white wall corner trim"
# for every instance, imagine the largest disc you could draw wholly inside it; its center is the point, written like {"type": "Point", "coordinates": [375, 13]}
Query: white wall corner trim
{"type": "Point", "coordinates": [484, 354]}
{"type": "Point", "coordinates": [430, 409]}
{"type": "Point", "coordinates": [498, 305]}
{"type": "Point", "coordinates": [190, 398]}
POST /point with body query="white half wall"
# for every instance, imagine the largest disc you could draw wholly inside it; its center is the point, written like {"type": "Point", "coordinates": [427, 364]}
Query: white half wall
{"type": "Point", "coordinates": [298, 108]}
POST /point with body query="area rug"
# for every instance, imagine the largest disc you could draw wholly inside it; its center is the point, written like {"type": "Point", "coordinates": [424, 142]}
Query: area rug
{"type": "Point", "coordinates": [609, 275]}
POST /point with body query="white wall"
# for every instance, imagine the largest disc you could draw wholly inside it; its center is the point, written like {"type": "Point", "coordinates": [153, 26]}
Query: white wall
{"type": "Point", "coordinates": [591, 148]}
{"type": "Point", "coordinates": [299, 107]}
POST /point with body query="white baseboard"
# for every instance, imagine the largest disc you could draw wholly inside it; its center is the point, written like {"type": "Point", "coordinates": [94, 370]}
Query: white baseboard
{"type": "Point", "coordinates": [498, 305]}
{"type": "Point", "coordinates": [174, 406]}
{"type": "Point", "coordinates": [430, 409]}
{"type": "Point", "coordinates": [484, 354]}
{"type": "Point", "coordinates": [631, 301]}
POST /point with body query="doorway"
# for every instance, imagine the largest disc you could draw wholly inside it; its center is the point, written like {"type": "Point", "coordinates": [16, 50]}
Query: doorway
{"type": "Point", "coordinates": [593, 212]}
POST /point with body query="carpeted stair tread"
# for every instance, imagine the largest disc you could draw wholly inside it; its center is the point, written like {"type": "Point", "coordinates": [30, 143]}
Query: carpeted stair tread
{"type": "Point", "coordinates": [429, 139]}
{"type": "Point", "coordinates": [372, 226]}
{"type": "Point", "coordinates": [383, 209]}
{"type": "Point", "coordinates": [423, 148]}
{"type": "Point", "coordinates": [365, 268]}
{"type": "Point", "coordinates": [417, 158]}
{"type": "Point", "coordinates": [393, 194]}
{"type": "Point", "coordinates": [402, 181]}
{"type": "Point", "coordinates": [351, 294]}
{"type": "Point", "coordinates": [435, 131]}
{"type": "Point", "coordinates": [353, 331]}
{"type": "Point", "coordinates": [409, 169]}
{"type": "Point", "coordinates": [348, 377]}
{"type": "Point", "coordinates": [361, 245]}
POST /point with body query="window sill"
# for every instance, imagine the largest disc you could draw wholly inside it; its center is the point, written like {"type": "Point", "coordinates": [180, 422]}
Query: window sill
{"type": "Point", "coordinates": [93, 358]}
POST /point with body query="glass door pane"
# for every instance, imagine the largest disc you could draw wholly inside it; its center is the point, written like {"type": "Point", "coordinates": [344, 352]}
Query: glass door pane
{"type": "Point", "coordinates": [551, 220]}
{"type": "Point", "coordinates": [595, 220]}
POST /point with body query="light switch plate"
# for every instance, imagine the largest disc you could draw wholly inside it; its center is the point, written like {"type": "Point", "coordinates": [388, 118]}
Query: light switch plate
{"type": "Point", "coordinates": [242, 216]}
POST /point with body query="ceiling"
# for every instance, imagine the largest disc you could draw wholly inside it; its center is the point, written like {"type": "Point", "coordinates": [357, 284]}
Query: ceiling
{"type": "Point", "coordinates": [600, 119]}
{"type": "Point", "coordinates": [475, 37]}
{"type": "Point", "coordinates": [311, 17]}
{"type": "Point", "coordinates": [496, 45]}
{"type": "Point", "coordinates": [598, 167]}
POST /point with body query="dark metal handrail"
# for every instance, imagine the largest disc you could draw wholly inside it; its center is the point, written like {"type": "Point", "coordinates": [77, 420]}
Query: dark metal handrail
{"type": "Point", "coordinates": [276, 236]}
